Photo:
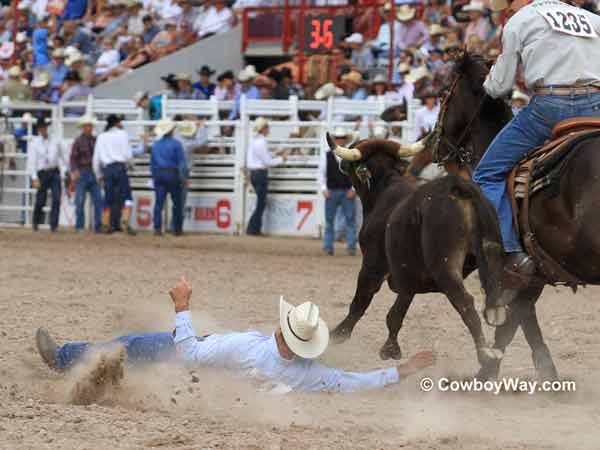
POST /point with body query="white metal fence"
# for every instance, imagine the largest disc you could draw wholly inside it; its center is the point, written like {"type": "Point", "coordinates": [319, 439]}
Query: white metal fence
{"type": "Point", "coordinates": [220, 198]}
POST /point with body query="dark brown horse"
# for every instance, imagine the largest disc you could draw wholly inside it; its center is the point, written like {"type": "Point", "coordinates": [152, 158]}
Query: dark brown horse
{"type": "Point", "coordinates": [566, 225]}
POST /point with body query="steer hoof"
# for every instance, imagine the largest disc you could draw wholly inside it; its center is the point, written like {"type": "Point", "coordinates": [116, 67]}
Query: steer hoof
{"type": "Point", "coordinates": [390, 350]}
{"type": "Point", "coordinates": [496, 316]}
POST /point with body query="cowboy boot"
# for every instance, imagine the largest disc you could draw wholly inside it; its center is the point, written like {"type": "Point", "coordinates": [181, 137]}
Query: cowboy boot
{"type": "Point", "coordinates": [46, 347]}
{"type": "Point", "coordinates": [125, 217]}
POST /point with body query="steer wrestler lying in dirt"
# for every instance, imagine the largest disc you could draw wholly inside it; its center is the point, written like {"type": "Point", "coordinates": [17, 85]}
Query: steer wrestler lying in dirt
{"type": "Point", "coordinates": [285, 357]}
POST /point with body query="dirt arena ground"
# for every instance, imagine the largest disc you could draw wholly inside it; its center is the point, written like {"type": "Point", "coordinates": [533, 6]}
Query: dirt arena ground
{"type": "Point", "coordinates": [85, 287]}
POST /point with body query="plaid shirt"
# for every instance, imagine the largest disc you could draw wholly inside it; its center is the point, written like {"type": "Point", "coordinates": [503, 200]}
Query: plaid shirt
{"type": "Point", "coordinates": [82, 152]}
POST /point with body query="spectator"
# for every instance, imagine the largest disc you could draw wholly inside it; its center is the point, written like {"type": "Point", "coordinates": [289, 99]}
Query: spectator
{"type": "Point", "coordinates": [75, 36]}
{"type": "Point", "coordinates": [426, 116]}
{"type": "Point", "coordinates": [169, 10]}
{"type": "Point", "coordinates": [353, 83]}
{"type": "Point", "coordinates": [204, 85]}
{"type": "Point", "coordinates": [170, 91]}
{"type": "Point", "coordinates": [411, 32]}
{"type": "Point", "coordinates": [112, 153]}
{"type": "Point", "coordinates": [381, 44]}
{"type": "Point", "coordinates": [7, 50]}
{"type": "Point", "coordinates": [109, 58]}
{"type": "Point", "coordinates": [76, 64]}
{"type": "Point", "coordinates": [138, 55]}
{"type": "Point", "coordinates": [339, 194]}
{"type": "Point", "coordinates": [46, 165]}
{"type": "Point", "coordinates": [453, 38]}
{"type": "Point", "coordinates": [192, 135]}
{"type": "Point", "coordinates": [419, 78]}
{"type": "Point", "coordinates": [41, 90]}
{"type": "Point", "coordinates": [58, 68]}
{"type": "Point", "coordinates": [185, 89]}
{"type": "Point", "coordinates": [246, 87]}
{"type": "Point", "coordinates": [361, 57]}
{"type": "Point", "coordinates": [218, 19]}
{"type": "Point", "coordinates": [150, 29]}
{"type": "Point", "coordinates": [135, 22]}
{"type": "Point", "coordinates": [519, 100]}
{"type": "Point", "coordinates": [82, 173]}
{"type": "Point", "coordinates": [258, 161]}
{"type": "Point", "coordinates": [74, 91]}
{"type": "Point", "coordinates": [14, 88]}
{"type": "Point", "coordinates": [378, 87]}
{"type": "Point", "coordinates": [168, 167]}
{"type": "Point", "coordinates": [188, 14]}
{"type": "Point", "coordinates": [142, 100]}
{"type": "Point", "coordinates": [436, 35]}
{"type": "Point", "coordinates": [478, 24]}
{"type": "Point", "coordinates": [40, 44]}
{"type": "Point", "coordinates": [225, 90]}
{"type": "Point", "coordinates": [164, 42]}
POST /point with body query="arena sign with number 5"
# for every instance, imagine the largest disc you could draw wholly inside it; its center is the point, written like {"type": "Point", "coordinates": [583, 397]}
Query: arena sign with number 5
{"type": "Point", "coordinates": [569, 21]}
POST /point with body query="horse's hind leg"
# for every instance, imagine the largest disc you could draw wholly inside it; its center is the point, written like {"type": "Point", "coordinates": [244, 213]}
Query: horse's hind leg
{"type": "Point", "coordinates": [395, 317]}
{"type": "Point", "coordinates": [542, 360]}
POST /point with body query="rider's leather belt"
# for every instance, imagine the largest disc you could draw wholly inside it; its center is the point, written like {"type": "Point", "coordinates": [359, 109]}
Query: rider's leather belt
{"type": "Point", "coordinates": [566, 90]}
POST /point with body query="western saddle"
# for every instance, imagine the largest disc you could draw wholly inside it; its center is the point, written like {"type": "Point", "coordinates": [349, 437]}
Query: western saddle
{"type": "Point", "coordinates": [539, 170]}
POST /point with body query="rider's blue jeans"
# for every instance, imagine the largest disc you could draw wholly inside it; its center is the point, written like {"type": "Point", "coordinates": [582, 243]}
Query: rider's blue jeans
{"type": "Point", "coordinates": [144, 347]}
{"type": "Point", "coordinates": [529, 129]}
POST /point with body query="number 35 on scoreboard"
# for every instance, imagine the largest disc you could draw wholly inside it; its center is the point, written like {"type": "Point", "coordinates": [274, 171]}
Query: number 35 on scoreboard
{"type": "Point", "coordinates": [322, 33]}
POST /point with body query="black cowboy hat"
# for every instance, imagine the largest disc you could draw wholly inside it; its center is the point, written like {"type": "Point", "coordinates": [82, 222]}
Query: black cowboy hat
{"type": "Point", "coordinates": [205, 70]}
{"type": "Point", "coordinates": [170, 78]}
{"type": "Point", "coordinates": [226, 75]}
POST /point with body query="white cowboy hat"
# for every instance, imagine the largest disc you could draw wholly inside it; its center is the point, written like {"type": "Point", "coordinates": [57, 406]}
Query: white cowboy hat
{"type": "Point", "coordinates": [87, 119]}
{"type": "Point", "coordinates": [405, 13]}
{"type": "Point", "coordinates": [380, 78]}
{"type": "Point", "coordinates": [304, 332]}
{"type": "Point", "coordinates": [14, 71]}
{"type": "Point", "coordinates": [70, 51]}
{"type": "Point", "coordinates": [340, 132]}
{"type": "Point", "coordinates": [58, 53]}
{"type": "Point", "coordinates": [42, 79]}
{"type": "Point", "coordinates": [247, 73]}
{"type": "Point", "coordinates": [380, 132]}
{"type": "Point", "coordinates": [164, 126]}
{"type": "Point", "coordinates": [417, 74]}
{"type": "Point", "coordinates": [403, 68]}
{"type": "Point", "coordinates": [72, 59]}
{"type": "Point", "coordinates": [260, 124]}
{"type": "Point", "coordinates": [139, 96]}
{"type": "Point", "coordinates": [28, 118]}
{"type": "Point", "coordinates": [518, 95]}
{"type": "Point", "coordinates": [328, 90]}
{"type": "Point", "coordinates": [354, 38]}
{"type": "Point", "coordinates": [21, 37]}
{"type": "Point", "coordinates": [474, 5]}
{"type": "Point", "coordinates": [6, 50]}
{"type": "Point", "coordinates": [187, 128]}
{"type": "Point", "coordinates": [498, 5]}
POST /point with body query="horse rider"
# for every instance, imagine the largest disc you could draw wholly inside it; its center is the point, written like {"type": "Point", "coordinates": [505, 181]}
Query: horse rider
{"type": "Point", "coordinates": [286, 357]}
{"type": "Point", "coordinates": [558, 47]}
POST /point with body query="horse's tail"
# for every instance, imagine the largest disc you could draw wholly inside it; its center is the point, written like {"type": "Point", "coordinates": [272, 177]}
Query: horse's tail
{"type": "Point", "coordinates": [487, 239]}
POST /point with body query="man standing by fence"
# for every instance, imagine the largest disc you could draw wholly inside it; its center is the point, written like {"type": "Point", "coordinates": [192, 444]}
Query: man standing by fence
{"type": "Point", "coordinates": [168, 166]}
{"type": "Point", "coordinates": [46, 165]}
{"type": "Point", "coordinates": [338, 192]}
{"type": "Point", "coordinates": [82, 155]}
{"type": "Point", "coordinates": [258, 162]}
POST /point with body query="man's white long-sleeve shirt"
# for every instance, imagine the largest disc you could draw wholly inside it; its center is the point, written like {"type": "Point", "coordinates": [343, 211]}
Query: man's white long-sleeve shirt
{"type": "Point", "coordinates": [111, 146]}
{"type": "Point", "coordinates": [253, 354]}
{"type": "Point", "coordinates": [259, 156]}
{"type": "Point", "coordinates": [44, 154]}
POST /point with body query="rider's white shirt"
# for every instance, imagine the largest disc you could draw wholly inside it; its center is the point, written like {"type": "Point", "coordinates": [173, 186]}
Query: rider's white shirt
{"type": "Point", "coordinates": [538, 37]}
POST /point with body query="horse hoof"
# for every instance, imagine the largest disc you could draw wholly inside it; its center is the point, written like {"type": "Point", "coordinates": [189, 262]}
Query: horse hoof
{"type": "Point", "coordinates": [390, 351]}
{"type": "Point", "coordinates": [488, 356]}
{"type": "Point", "coordinates": [489, 372]}
{"type": "Point", "coordinates": [339, 336]}
{"type": "Point", "coordinates": [495, 316]}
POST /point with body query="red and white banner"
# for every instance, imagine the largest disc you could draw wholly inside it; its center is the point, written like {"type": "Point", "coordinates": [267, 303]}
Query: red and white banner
{"type": "Point", "coordinates": [209, 212]}
{"type": "Point", "coordinates": [143, 210]}
{"type": "Point", "coordinates": [288, 215]}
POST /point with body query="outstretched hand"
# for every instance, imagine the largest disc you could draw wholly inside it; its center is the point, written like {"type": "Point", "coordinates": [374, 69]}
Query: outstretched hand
{"type": "Point", "coordinates": [415, 363]}
{"type": "Point", "coordinates": [181, 294]}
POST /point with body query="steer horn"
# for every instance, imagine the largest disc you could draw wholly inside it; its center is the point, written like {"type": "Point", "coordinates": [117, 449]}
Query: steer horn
{"type": "Point", "coordinates": [349, 154]}
{"type": "Point", "coordinates": [411, 149]}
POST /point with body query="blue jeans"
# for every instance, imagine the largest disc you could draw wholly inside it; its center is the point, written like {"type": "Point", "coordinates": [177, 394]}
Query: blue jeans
{"type": "Point", "coordinates": [529, 129]}
{"type": "Point", "coordinates": [49, 179]}
{"type": "Point", "coordinates": [145, 347]}
{"type": "Point", "coordinates": [87, 183]}
{"type": "Point", "coordinates": [168, 181]}
{"type": "Point", "coordinates": [337, 200]}
{"type": "Point", "coordinates": [116, 183]}
{"type": "Point", "coordinates": [260, 183]}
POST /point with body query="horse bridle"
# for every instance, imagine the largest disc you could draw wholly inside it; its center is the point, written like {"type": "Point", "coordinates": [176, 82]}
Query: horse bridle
{"type": "Point", "coordinates": [458, 152]}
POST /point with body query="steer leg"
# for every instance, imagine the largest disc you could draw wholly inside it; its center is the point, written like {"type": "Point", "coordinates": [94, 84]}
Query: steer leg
{"type": "Point", "coordinates": [368, 285]}
{"type": "Point", "coordinates": [395, 317]}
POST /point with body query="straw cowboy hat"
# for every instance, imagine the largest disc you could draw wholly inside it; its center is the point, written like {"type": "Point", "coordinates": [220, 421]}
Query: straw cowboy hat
{"type": "Point", "coordinates": [518, 95]}
{"type": "Point", "coordinates": [353, 77]}
{"type": "Point", "coordinates": [417, 74]}
{"type": "Point", "coordinates": [380, 79]}
{"type": "Point", "coordinates": [304, 332]}
{"type": "Point", "coordinates": [247, 73]}
{"type": "Point", "coordinates": [474, 5]}
{"type": "Point", "coordinates": [328, 90]}
{"type": "Point", "coordinates": [42, 79]}
{"type": "Point", "coordinates": [58, 53]}
{"type": "Point", "coordinates": [260, 124]}
{"type": "Point", "coordinates": [183, 76]}
{"type": "Point", "coordinates": [187, 129]}
{"type": "Point", "coordinates": [498, 5]}
{"type": "Point", "coordinates": [164, 126]}
{"type": "Point", "coordinates": [436, 30]}
{"type": "Point", "coordinates": [87, 119]}
{"type": "Point", "coordinates": [405, 13]}
{"type": "Point", "coordinates": [403, 68]}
